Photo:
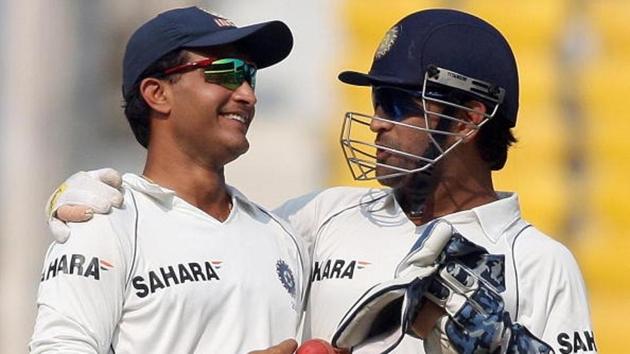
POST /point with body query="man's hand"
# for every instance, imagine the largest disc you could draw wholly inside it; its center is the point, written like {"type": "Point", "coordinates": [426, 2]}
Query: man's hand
{"type": "Point", "coordinates": [426, 319]}
{"type": "Point", "coordinates": [287, 346]}
{"type": "Point", "coordinates": [80, 196]}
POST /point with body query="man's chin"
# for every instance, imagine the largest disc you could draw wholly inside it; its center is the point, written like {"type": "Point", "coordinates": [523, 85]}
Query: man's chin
{"type": "Point", "coordinates": [383, 172]}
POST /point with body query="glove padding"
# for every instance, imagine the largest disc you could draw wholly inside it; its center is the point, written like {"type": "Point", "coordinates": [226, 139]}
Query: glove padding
{"type": "Point", "coordinates": [378, 321]}
{"type": "Point", "coordinates": [457, 275]}
{"type": "Point", "coordinates": [80, 196]}
{"type": "Point", "coordinates": [467, 286]}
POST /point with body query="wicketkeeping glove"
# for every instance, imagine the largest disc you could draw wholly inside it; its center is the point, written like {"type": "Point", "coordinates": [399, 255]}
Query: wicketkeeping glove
{"type": "Point", "coordinates": [378, 321]}
{"type": "Point", "coordinates": [80, 196]}
{"type": "Point", "coordinates": [467, 286]}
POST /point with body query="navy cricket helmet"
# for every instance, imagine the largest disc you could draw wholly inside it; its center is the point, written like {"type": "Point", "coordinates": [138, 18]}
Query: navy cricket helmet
{"type": "Point", "coordinates": [442, 56]}
{"type": "Point", "coordinates": [448, 39]}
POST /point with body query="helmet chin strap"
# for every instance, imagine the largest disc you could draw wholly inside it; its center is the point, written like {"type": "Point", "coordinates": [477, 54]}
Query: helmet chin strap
{"type": "Point", "coordinates": [412, 193]}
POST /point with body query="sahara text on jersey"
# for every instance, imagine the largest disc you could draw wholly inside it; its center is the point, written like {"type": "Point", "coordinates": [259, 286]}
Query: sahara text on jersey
{"type": "Point", "coordinates": [173, 275]}
{"type": "Point", "coordinates": [75, 264]}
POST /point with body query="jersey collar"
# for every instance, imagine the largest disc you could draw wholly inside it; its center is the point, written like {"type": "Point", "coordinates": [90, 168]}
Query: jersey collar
{"type": "Point", "coordinates": [494, 218]}
{"type": "Point", "coordinates": [168, 197]}
{"type": "Point", "coordinates": [142, 184]}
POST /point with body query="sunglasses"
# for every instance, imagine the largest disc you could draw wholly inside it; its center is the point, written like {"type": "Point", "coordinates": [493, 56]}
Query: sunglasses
{"type": "Point", "coordinates": [227, 72]}
{"type": "Point", "coordinates": [397, 103]}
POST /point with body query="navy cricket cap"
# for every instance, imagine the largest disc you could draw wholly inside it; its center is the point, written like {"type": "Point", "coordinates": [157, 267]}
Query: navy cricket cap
{"type": "Point", "coordinates": [264, 43]}
{"type": "Point", "coordinates": [448, 39]}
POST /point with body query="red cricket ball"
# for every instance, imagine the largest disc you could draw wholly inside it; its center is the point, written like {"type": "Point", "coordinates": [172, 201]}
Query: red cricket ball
{"type": "Point", "coordinates": [316, 346]}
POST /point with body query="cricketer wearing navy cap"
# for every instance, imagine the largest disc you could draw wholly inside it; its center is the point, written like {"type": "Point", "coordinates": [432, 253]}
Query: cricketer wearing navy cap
{"type": "Point", "coordinates": [188, 264]}
{"type": "Point", "coordinates": [264, 43]}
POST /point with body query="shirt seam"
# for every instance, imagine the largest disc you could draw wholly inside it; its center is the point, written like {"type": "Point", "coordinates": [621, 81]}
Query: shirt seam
{"type": "Point", "coordinates": [135, 240]}
{"type": "Point", "coordinates": [326, 221]}
{"type": "Point", "coordinates": [516, 270]}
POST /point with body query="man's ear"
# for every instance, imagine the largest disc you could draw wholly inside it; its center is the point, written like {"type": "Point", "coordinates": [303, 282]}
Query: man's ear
{"type": "Point", "coordinates": [475, 116]}
{"type": "Point", "coordinates": [155, 94]}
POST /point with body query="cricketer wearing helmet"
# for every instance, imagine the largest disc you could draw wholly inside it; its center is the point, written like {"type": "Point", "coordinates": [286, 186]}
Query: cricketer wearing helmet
{"type": "Point", "coordinates": [445, 95]}
{"type": "Point", "coordinates": [439, 254]}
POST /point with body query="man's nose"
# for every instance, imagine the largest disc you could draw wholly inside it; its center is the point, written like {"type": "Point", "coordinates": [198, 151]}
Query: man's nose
{"type": "Point", "coordinates": [245, 94]}
{"type": "Point", "coordinates": [378, 125]}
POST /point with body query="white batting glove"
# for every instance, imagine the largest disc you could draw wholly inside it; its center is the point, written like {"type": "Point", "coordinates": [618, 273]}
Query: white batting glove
{"type": "Point", "coordinates": [378, 321]}
{"type": "Point", "coordinates": [80, 196]}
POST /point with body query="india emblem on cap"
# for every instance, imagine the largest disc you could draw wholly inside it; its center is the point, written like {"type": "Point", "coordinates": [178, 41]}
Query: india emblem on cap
{"type": "Point", "coordinates": [387, 42]}
{"type": "Point", "coordinates": [219, 19]}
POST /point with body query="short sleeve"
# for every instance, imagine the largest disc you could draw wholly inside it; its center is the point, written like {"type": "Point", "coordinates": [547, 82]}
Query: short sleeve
{"type": "Point", "coordinates": [81, 291]}
{"type": "Point", "coordinates": [555, 307]}
{"type": "Point", "coordinates": [302, 214]}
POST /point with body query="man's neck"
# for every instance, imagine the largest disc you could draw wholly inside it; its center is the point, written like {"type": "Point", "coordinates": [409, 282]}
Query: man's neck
{"type": "Point", "coordinates": [459, 188]}
{"type": "Point", "coordinates": [199, 184]}
{"type": "Point", "coordinates": [452, 196]}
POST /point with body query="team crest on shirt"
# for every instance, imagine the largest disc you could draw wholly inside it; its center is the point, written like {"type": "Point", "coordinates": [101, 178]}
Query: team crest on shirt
{"type": "Point", "coordinates": [286, 276]}
{"type": "Point", "coordinates": [387, 42]}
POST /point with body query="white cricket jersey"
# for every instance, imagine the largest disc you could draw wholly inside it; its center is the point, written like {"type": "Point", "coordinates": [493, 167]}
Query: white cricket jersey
{"type": "Point", "coordinates": [358, 236]}
{"type": "Point", "coordinates": [161, 276]}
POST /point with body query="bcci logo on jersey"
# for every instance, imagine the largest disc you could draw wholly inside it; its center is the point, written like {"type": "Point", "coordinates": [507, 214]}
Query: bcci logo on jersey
{"type": "Point", "coordinates": [287, 279]}
{"type": "Point", "coordinates": [286, 276]}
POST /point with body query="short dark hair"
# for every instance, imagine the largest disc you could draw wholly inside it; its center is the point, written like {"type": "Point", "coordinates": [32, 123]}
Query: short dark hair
{"type": "Point", "coordinates": [493, 141]}
{"type": "Point", "coordinates": [494, 137]}
{"type": "Point", "coordinates": [136, 108]}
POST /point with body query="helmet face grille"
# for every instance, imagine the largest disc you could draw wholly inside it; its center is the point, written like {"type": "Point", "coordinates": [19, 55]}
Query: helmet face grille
{"type": "Point", "coordinates": [362, 147]}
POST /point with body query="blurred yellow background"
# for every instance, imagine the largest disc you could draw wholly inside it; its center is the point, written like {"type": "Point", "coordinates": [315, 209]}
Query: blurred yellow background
{"type": "Point", "coordinates": [572, 162]}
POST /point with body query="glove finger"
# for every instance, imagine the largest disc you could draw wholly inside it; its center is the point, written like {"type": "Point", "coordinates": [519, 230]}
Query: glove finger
{"type": "Point", "coordinates": [90, 181]}
{"type": "Point", "coordinates": [469, 331]}
{"type": "Point", "coordinates": [456, 286]}
{"type": "Point", "coordinates": [427, 247]}
{"type": "Point", "coordinates": [459, 247]}
{"type": "Point", "coordinates": [100, 203]}
{"type": "Point", "coordinates": [108, 182]}
{"type": "Point", "coordinates": [475, 311]}
{"type": "Point", "coordinates": [60, 231]}
{"type": "Point", "coordinates": [108, 176]}
{"type": "Point", "coordinates": [74, 213]}
{"type": "Point", "coordinates": [464, 281]}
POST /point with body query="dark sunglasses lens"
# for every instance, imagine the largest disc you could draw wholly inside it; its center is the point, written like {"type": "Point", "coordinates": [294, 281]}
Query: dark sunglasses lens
{"type": "Point", "coordinates": [231, 73]}
{"type": "Point", "coordinates": [397, 104]}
